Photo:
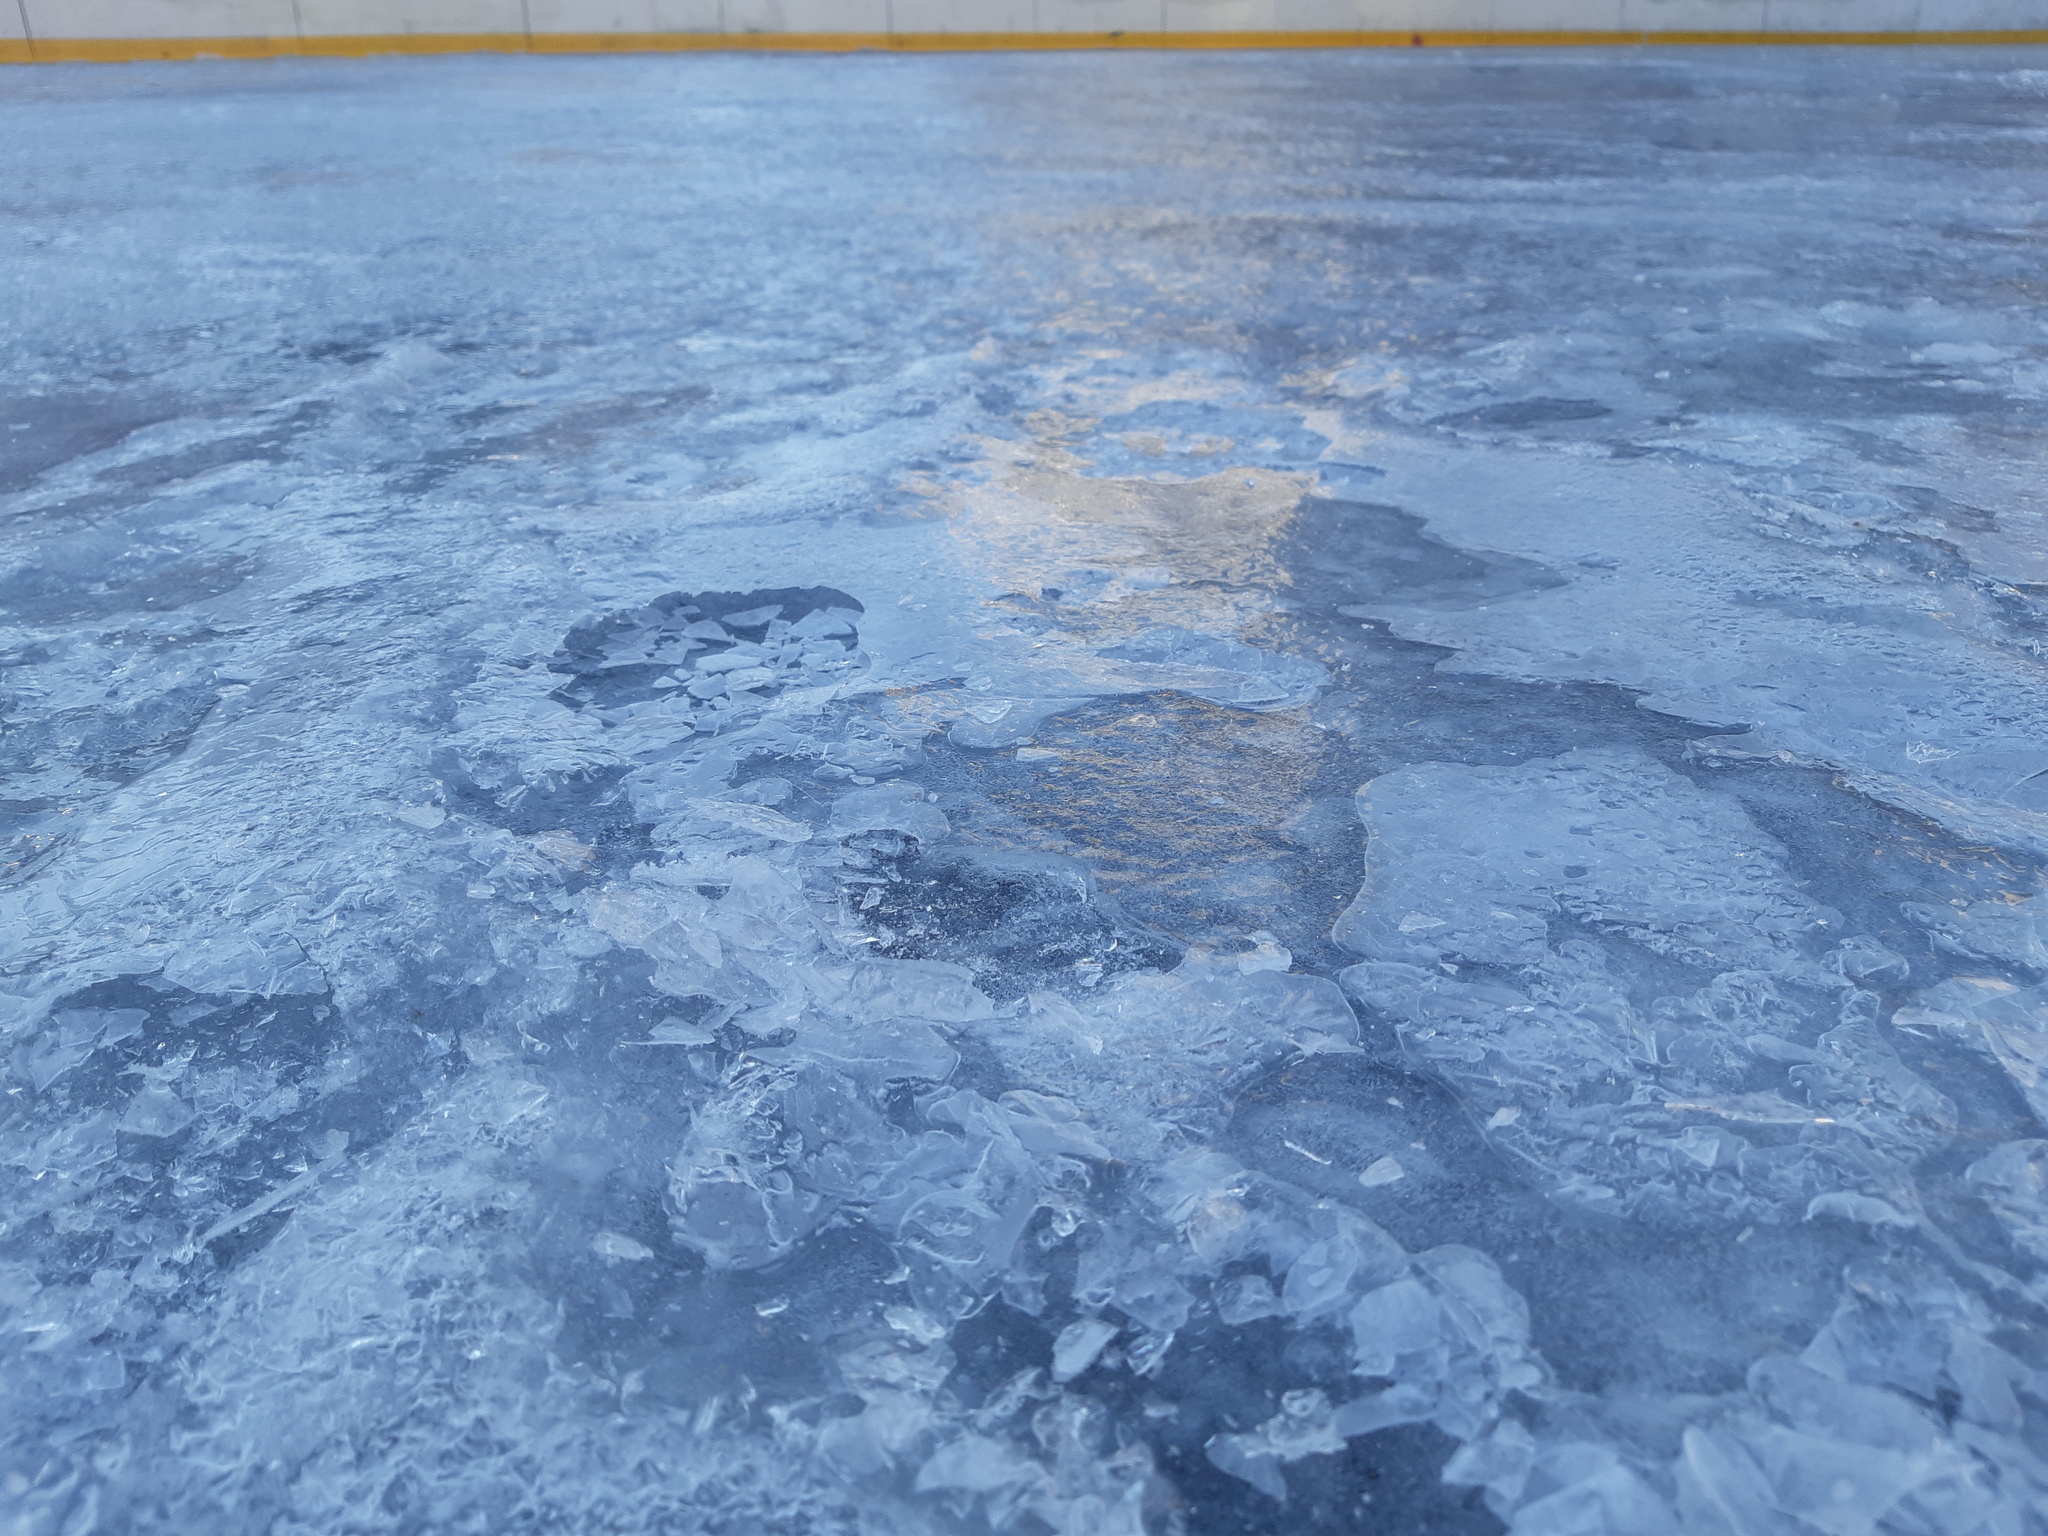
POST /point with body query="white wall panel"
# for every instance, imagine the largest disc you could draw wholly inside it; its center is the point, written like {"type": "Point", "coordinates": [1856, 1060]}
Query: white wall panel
{"type": "Point", "coordinates": [1423, 15]}
{"type": "Point", "coordinates": [1278, 15]}
{"type": "Point", "coordinates": [806, 15]}
{"type": "Point", "coordinates": [385, 18]}
{"type": "Point", "coordinates": [1693, 15]}
{"type": "Point", "coordinates": [641, 16]}
{"type": "Point", "coordinates": [952, 16]}
{"type": "Point", "coordinates": [89, 20]}
{"type": "Point", "coordinates": [1098, 15]}
{"type": "Point", "coordinates": [1554, 16]}
{"type": "Point", "coordinates": [160, 18]}
{"type": "Point", "coordinates": [1843, 15]}
{"type": "Point", "coordinates": [1982, 15]}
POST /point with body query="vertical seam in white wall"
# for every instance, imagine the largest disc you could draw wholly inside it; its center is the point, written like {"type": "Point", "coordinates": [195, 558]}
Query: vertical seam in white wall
{"type": "Point", "coordinates": [526, 23]}
{"type": "Point", "coordinates": [28, 32]}
{"type": "Point", "coordinates": [298, 22]}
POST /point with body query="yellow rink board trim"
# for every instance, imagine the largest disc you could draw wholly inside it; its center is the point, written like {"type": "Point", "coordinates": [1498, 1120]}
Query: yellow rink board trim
{"type": "Point", "coordinates": [113, 50]}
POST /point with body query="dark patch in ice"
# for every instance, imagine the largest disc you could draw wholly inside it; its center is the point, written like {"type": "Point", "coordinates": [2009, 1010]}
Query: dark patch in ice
{"type": "Point", "coordinates": [1954, 514]}
{"type": "Point", "coordinates": [1871, 859]}
{"type": "Point", "coordinates": [1018, 921]}
{"type": "Point", "coordinates": [710, 644]}
{"type": "Point", "coordinates": [39, 431]}
{"type": "Point", "coordinates": [110, 570]}
{"type": "Point", "coordinates": [587, 804]}
{"type": "Point", "coordinates": [143, 1107]}
{"type": "Point", "coordinates": [115, 744]}
{"type": "Point", "coordinates": [1537, 411]}
{"type": "Point", "coordinates": [568, 433]}
{"type": "Point", "coordinates": [270, 445]}
{"type": "Point", "coordinates": [1365, 552]}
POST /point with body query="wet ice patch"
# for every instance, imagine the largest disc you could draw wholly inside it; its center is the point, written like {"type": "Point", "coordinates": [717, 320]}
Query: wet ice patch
{"type": "Point", "coordinates": [1219, 670]}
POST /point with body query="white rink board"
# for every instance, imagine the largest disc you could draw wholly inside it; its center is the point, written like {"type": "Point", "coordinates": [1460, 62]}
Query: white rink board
{"type": "Point", "coordinates": [649, 23]}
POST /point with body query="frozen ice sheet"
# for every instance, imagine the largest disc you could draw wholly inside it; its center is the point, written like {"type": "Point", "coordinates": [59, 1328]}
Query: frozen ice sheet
{"type": "Point", "coordinates": [932, 795]}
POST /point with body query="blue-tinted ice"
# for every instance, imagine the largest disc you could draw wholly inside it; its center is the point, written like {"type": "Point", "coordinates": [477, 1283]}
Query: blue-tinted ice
{"type": "Point", "coordinates": [1094, 795]}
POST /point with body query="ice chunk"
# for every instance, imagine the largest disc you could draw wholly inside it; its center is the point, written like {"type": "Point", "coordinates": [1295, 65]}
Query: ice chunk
{"type": "Point", "coordinates": [68, 1038]}
{"type": "Point", "coordinates": [1600, 1496]}
{"type": "Point", "coordinates": [1868, 963]}
{"type": "Point", "coordinates": [1402, 1318]}
{"type": "Point", "coordinates": [774, 1156]}
{"type": "Point", "coordinates": [871, 1054]}
{"type": "Point", "coordinates": [1751, 1477]}
{"type": "Point", "coordinates": [265, 965]}
{"type": "Point", "coordinates": [69, 1149]}
{"type": "Point", "coordinates": [1141, 1280]}
{"type": "Point", "coordinates": [658, 632]}
{"type": "Point", "coordinates": [1382, 1171]}
{"type": "Point", "coordinates": [1043, 1123]}
{"type": "Point", "coordinates": [976, 1464]}
{"type": "Point", "coordinates": [156, 1111]}
{"type": "Point", "coordinates": [616, 1245]}
{"type": "Point", "coordinates": [1350, 1256]}
{"type": "Point", "coordinates": [755, 819]}
{"type": "Point", "coordinates": [1266, 954]}
{"type": "Point", "coordinates": [2003, 1020]}
{"type": "Point", "coordinates": [895, 807]}
{"type": "Point", "coordinates": [915, 989]}
{"type": "Point", "coordinates": [1245, 1299]}
{"type": "Point", "coordinates": [2010, 931]}
{"type": "Point", "coordinates": [1301, 1428]}
{"type": "Point", "coordinates": [1814, 1403]}
{"type": "Point", "coordinates": [1499, 1462]}
{"type": "Point", "coordinates": [993, 722]}
{"type": "Point", "coordinates": [826, 623]}
{"type": "Point", "coordinates": [957, 1203]}
{"type": "Point", "coordinates": [2013, 1181]}
{"type": "Point", "coordinates": [1078, 1346]}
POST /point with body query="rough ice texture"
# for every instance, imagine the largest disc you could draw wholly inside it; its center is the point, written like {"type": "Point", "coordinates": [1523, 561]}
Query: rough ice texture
{"type": "Point", "coordinates": [1513, 912]}
{"type": "Point", "coordinates": [932, 795]}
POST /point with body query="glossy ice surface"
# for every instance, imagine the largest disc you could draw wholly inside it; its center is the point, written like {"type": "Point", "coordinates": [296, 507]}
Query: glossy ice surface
{"type": "Point", "coordinates": [1099, 794]}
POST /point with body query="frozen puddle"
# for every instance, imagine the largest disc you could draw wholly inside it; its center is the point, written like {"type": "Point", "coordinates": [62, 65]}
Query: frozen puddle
{"type": "Point", "coordinates": [915, 795]}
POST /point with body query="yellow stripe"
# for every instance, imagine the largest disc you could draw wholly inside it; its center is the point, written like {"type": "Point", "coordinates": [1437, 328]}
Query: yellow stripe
{"type": "Point", "coordinates": [110, 50]}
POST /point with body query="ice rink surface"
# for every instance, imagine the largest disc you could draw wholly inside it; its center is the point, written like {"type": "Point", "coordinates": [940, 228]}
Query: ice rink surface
{"type": "Point", "coordinates": [1098, 794]}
